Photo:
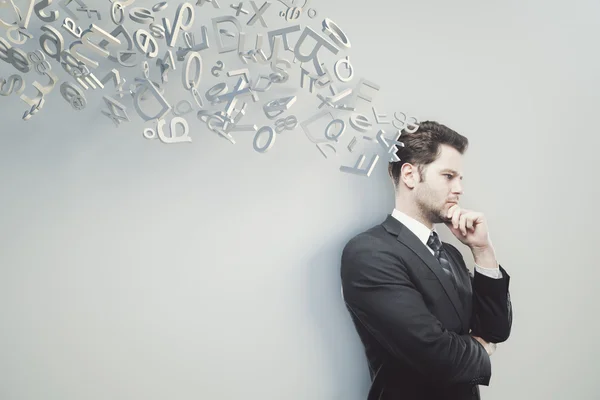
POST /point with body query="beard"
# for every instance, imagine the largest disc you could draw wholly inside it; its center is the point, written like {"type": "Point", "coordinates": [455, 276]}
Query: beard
{"type": "Point", "coordinates": [430, 209]}
{"type": "Point", "coordinates": [435, 214]}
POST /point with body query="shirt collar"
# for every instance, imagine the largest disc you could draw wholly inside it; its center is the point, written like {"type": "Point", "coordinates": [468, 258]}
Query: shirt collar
{"type": "Point", "coordinates": [416, 227]}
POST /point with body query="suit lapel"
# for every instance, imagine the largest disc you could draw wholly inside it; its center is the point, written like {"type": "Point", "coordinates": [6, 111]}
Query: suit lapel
{"type": "Point", "coordinates": [407, 237]}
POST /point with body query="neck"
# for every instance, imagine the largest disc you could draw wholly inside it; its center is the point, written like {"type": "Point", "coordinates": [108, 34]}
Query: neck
{"type": "Point", "coordinates": [410, 208]}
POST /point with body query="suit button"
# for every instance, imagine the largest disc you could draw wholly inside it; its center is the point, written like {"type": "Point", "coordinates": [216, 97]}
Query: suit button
{"type": "Point", "coordinates": [474, 390]}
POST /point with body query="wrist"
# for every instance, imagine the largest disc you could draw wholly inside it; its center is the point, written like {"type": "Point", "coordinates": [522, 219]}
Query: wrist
{"type": "Point", "coordinates": [482, 250]}
{"type": "Point", "coordinates": [484, 256]}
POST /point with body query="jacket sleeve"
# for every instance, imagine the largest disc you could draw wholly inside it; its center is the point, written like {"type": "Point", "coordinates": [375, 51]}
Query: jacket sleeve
{"type": "Point", "coordinates": [491, 318]}
{"type": "Point", "coordinates": [379, 292]}
{"type": "Point", "coordinates": [492, 308]}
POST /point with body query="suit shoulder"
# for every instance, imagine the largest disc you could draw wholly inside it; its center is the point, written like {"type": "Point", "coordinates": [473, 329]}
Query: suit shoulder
{"type": "Point", "coordinates": [365, 239]}
{"type": "Point", "coordinates": [369, 257]}
{"type": "Point", "coordinates": [374, 248]}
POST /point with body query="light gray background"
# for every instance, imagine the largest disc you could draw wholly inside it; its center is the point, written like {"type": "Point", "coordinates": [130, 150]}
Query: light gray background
{"type": "Point", "coordinates": [130, 269]}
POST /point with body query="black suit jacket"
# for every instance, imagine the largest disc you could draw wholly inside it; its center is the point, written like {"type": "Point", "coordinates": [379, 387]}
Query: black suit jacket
{"type": "Point", "coordinates": [415, 325]}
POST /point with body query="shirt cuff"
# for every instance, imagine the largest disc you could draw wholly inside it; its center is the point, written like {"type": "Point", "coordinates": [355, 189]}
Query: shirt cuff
{"type": "Point", "coordinates": [494, 273]}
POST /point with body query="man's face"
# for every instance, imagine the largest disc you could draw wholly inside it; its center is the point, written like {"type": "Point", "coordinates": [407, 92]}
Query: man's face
{"type": "Point", "coordinates": [441, 185]}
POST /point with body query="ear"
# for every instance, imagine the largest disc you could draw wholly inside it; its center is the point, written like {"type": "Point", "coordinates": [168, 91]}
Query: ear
{"type": "Point", "coordinates": [409, 175]}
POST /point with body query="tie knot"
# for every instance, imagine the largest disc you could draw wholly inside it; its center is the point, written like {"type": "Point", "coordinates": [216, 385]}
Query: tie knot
{"type": "Point", "coordinates": [434, 242]}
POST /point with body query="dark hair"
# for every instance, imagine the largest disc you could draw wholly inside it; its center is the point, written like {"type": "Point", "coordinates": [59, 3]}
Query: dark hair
{"type": "Point", "coordinates": [422, 146]}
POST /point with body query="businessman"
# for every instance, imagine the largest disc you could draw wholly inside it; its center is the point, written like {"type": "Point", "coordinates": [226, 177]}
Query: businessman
{"type": "Point", "coordinates": [428, 325]}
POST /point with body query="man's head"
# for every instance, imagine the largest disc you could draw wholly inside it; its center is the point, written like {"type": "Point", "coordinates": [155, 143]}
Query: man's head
{"type": "Point", "coordinates": [428, 176]}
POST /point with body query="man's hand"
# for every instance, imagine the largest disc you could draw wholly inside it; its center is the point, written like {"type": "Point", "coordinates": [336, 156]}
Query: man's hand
{"type": "Point", "coordinates": [489, 347]}
{"type": "Point", "coordinates": [468, 226]}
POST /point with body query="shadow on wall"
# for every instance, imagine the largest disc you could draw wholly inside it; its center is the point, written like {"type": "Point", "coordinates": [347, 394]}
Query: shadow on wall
{"type": "Point", "coordinates": [366, 203]}
{"type": "Point", "coordinates": [340, 344]}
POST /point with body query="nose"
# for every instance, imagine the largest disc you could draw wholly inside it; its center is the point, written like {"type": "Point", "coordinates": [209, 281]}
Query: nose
{"type": "Point", "coordinates": [457, 187]}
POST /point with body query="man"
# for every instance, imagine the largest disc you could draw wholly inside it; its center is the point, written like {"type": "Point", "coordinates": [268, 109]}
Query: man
{"type": "Point", "coordinates": [428, 325]}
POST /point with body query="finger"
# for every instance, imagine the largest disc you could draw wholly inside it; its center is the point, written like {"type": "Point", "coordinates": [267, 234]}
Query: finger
{"type": "Point", "coordinates": [451, 210]}
{"type": "Point", "coordinates": [455, 218]}
{"type": "Point", "coordinates": [470, 221]}
{"type": "Point", "coordinates": [476, 218]}
{"type": "Point", "coordinates": [469, 224]}
{"type": "Point", "coordinates": [462, 224]}
{"type": "Point", "coordinates": [449, 214]}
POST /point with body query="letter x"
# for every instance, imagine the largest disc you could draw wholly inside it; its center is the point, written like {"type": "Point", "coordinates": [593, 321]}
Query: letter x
{"type": "Point", "coordinates": [258, 13]}
{"type": "Point", "coordinates": [239, 9]}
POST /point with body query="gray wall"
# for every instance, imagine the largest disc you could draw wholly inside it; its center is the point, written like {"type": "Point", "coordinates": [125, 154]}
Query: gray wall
{"type": "Point", "coordinates": [131, 269]}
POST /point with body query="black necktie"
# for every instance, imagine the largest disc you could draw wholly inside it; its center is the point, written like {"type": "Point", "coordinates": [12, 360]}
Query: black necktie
{"type": "Point", "coordinates": [439, 253]}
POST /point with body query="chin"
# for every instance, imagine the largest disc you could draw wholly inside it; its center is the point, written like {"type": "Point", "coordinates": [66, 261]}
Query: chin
{"type": "Point", "coordinates": [438, 218]}
{"type": "Point", "coordinates": [443, 215]}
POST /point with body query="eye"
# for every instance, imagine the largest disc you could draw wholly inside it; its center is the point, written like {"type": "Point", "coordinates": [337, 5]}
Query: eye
{"type": "Point", "coordinates": [449, 176]}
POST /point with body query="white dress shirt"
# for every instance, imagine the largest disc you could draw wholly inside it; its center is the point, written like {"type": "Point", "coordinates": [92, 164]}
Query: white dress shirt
{"type": "Point", "coordinates": [423, 233]}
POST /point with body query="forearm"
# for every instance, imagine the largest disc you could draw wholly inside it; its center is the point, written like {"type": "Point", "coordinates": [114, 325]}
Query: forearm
{"type": "Point", "coordinates": [458, 359]}
{"type": "Point", "coordinates": [492, 308]}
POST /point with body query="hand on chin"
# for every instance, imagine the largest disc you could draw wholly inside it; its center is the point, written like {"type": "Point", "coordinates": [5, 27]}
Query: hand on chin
{"type": "Point", "coordinates": [468, 226]}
